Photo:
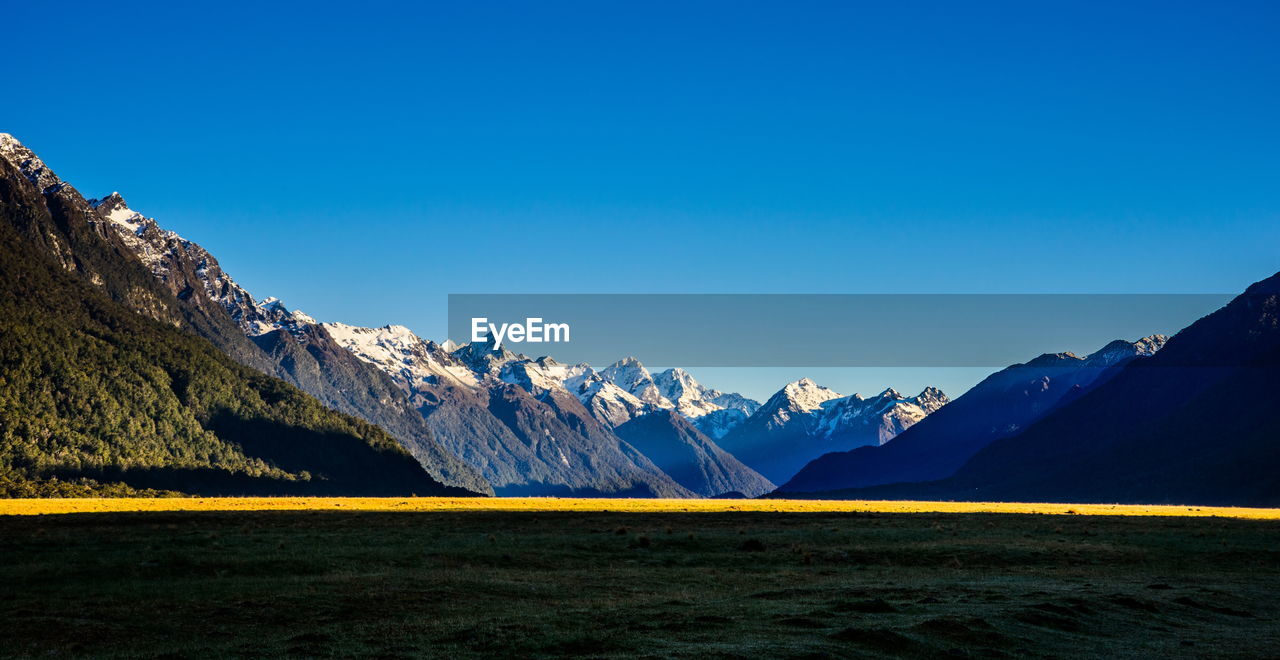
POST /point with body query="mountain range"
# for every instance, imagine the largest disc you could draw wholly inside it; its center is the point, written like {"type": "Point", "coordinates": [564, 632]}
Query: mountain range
{"type": "Point", "coordinates": [1001, 405]}
{"type": "Point", "coordinates": [474, 418]}
{"type": "Point", "coordinates": [1196, 422]}
{"type": "Point", "coordinates": [287, 345]}
{"type": "Point", "coordinates": [132, 363]}
{"type": "Point", "coordinates": [539, 427]}
{"type": "Point", "coordinates": [1193, 423]}
{"type": "Point", "coordinates": [109, 386]}
{"type": "Point", "coordinates": [805, 420]}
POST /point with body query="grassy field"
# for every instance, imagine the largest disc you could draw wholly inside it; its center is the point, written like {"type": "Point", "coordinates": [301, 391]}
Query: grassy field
{"type": "Point", "coordinates": [404, 578]}
{"type": "Point", "coordinates": [534, 504]}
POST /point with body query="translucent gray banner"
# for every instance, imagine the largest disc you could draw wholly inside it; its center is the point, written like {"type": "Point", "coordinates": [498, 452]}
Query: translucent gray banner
{"type": "Point", "coordinates": [819, 330]}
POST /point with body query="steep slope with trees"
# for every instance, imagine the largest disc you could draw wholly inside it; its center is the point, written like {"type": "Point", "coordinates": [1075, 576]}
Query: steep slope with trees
{"type": "Point", "coordinates": [101, 390]}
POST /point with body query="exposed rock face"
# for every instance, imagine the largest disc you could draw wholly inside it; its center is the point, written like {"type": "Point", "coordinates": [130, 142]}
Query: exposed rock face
{"type": "Point", "coordinates": [512, 418]}
{"type": "Point", "coordinates": [142, 402]}
{"type": "Point", "coordinates": [269, 337]}
{"type": "Point", "coordinates": [537, 437]}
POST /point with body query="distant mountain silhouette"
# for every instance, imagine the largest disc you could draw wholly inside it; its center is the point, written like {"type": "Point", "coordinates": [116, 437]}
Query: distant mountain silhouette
{"type": "Point", "coordinates": [1197, 423]}
{"type": "Point", "coordinates": [1003, 404]}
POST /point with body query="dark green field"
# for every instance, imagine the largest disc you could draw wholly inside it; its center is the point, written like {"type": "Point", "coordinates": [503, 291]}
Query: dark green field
{"type": "Point", "coordinates": [488, 584]}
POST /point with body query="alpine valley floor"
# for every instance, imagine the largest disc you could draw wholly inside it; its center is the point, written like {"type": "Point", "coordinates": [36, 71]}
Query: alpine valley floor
{"type": "Point", "coordinates": [638, 579]}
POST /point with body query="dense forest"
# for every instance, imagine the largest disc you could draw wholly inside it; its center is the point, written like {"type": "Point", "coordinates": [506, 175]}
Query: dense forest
{"type": "Point", "coordinates": [96, 398]}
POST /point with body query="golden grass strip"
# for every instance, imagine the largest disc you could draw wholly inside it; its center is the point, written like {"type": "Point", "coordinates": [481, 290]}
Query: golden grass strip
{"type": "Point", "coordinates": [30, 507]}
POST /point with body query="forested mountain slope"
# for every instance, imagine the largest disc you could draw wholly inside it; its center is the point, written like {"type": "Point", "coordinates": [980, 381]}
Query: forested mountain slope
{"type": "Point", "coordinates": [98, 397]}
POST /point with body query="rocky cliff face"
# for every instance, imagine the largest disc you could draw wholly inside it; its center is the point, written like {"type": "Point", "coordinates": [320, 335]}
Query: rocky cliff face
{"type": "Point", "coordinates": [543, 427]}
{"type": "Point", "coordinates": [510, 417]}
{"type": "Point", "coordinates": [109, 388]}
{"type": "Point", "coordinates": [267, 336]}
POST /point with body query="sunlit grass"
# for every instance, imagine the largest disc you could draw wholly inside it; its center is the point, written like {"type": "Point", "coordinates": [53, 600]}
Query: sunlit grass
{"type": "Point", "coordinates": [107, 505]}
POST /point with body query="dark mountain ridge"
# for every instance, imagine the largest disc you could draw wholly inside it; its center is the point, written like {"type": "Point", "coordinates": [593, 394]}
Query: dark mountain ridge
{"type": "Point", "coordinates": [280, 343]}
{"type": "Point", "coordinates": [1195, 423]}
{"type": "Point", "coordinates": [104, 388]}
{"type": "Point", "coordinates": [1001, 405]}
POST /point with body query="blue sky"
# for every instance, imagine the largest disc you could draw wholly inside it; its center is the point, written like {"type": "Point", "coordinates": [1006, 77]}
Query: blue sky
{"type": "Point", "coordinates": [362, 161]}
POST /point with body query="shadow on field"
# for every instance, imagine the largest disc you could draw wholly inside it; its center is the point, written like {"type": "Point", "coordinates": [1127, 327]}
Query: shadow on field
{"type": "Point", "coordinates": [608, 584]}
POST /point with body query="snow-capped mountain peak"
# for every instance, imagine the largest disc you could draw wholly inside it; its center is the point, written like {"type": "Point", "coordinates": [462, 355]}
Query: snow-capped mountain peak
{"type": "Point", "coordinates": [930, 399]}
{"type": "Point", "coordinates": [884, 416]}
{"type": "Point", "coordinates": [114, 208]}
{"type": "Point", "coordinates": [545, 374]}
{"type": "Point", "coordinates": [402, 354]}
{"type": "Point", "coordinates": [1147, 346]}
{"type": "Point", "coordinates": [616, 394]}
{"type": "Point", "coordinates": [691, 399]}
{"type": "Point", "coordinates": [799, 399]}
{"type": "Point", "coordinates": [678, 387]}
{"type": "Point", "coordinates": [29, 164]}
{"type": "Point", "coordinates": [628, 372]}
{"type": "Point", "coordinates": [607, 402]}
{"type": "Point", "coordinates": [483, 358]}
{"type": "Point", "coordinates": [805, 420]}
{"type": "Point", "coordinates": [282, 315]}
{"type": "Point", "coordinates": [184, 266]}
{"type": "Point", "coordinates": [806, 395]}
{"type": "Point", "coordinates": [676, 384]}
{"type": "Point", "coordinates": [632, 377]}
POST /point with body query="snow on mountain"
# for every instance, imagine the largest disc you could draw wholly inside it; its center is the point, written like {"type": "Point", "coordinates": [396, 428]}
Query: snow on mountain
{"type": "Point", "coordinates": [165, 253]}
{"type": "Point", "coordinates": [29, 164]}
{"type": "Point", "coordinates": [613, 395]}
{"type": "Point", "coordinates": [413, 360]}
{"type": "Point", "coordinates": [717, 423]}
{"type": "Point", "coordinates": [609, 403]}
{"type": "Point", "coordinates": [883, 416]}
{"type": "Point", "coordinates": [805, 420]}
{"type": "Point", "coordinates": [678, 387]}
{"type": "Point", "coordinates": [1002, 405]}
{"type": "Point", "coordinates": [543, 374]}
{"type": "Point", "coordinates": [731, 401]}
{"type": "Point", "coordinates": [483, 359]}
{"type": "Point", "coordinates": [110, 245]}
{"type": "Point", "coordinates": [632, 390]}
{"type": "Point", "coordinates": [1120, 350]}
{"type": "Point", "coordinates": [402, 354]}
{"type": "Point", "coordinates": [692, 400]}
{"type": "Point", "coordinates": [631, 376]}
{"type": "Point", "coordinates": [796, 399]}
{"type": "Point", "coordinates": [508, 416]}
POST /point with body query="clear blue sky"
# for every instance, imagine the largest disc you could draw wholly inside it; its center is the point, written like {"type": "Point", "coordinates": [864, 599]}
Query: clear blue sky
{"type": "Point", "coordinates": [362, 160]}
